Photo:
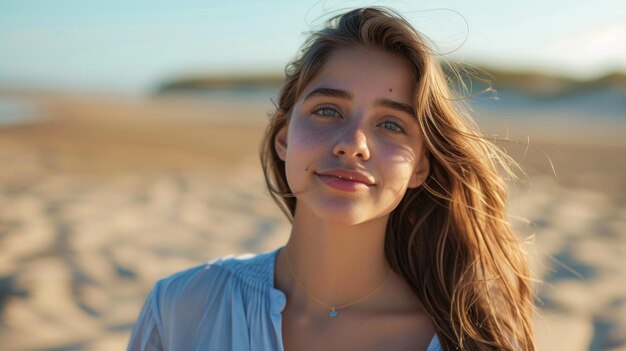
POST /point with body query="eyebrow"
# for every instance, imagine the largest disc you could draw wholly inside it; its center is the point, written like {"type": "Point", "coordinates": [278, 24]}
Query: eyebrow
{"type": "Point", "coordinates": [396, 106]}
{"type": "Point", "coordinates": [342, 94]}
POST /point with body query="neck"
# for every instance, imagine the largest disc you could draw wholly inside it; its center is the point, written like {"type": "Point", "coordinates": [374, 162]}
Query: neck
{"type": "Point", "coordinates": [336, 263]}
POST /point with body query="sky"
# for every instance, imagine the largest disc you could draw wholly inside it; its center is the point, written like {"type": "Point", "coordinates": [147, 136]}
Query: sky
{"type": "Point", "coordinates": [130, 46]}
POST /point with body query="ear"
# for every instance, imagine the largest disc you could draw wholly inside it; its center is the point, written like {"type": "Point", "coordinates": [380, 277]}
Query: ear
{"type": "Point", "coordinates": [421, 171]}
{"type": "Point", "coordinates": [280, 142]}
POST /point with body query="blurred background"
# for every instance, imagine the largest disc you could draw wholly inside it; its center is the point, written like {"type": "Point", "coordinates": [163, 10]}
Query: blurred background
{"type": "Point", "coordinates": [129, 134]}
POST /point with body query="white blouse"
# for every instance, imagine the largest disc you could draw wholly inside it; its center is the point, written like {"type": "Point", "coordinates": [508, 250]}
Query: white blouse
{"type": "Point", "coordinates": [227, 304]}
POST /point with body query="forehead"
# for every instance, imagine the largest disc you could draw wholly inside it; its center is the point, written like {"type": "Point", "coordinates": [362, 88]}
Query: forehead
{"type": "Point", "coordinates": [366, 72]}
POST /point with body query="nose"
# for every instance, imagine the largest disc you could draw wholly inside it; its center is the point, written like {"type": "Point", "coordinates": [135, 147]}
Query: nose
{"type": "Point", "coordinates": [353, 143]}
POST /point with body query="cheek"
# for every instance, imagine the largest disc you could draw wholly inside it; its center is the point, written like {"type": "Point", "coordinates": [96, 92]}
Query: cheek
{"type": "Point", "coordinates": [304, 145]}
{"type": "Point", "coordinates": [304, 137]}
{"type": "Point", "coordinates": [398, 164]}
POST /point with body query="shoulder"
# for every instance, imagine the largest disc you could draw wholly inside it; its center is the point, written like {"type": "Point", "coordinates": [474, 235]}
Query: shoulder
{"type": "Point", "coordinates": [213, 279]}
{"type": "Point", "coordinates": [186, 305]}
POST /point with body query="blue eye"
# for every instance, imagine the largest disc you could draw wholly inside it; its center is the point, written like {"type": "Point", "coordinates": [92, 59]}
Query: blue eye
{"type": "Point", "coordinates": [326, 111]}
{"type": "Point", "coordinates": [392, 126]}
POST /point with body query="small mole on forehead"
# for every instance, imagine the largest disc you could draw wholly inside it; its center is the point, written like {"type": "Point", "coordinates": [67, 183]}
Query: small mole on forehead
{"type": "Point", "coordinates": [390, 90]}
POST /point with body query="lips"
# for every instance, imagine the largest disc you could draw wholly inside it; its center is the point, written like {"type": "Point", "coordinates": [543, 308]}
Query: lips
{"type": "Point", "coordinates": [346, 180]}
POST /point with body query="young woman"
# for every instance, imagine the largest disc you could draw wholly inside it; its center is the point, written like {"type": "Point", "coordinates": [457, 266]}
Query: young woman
{"type": "Point", "coordinates": [399, 239]}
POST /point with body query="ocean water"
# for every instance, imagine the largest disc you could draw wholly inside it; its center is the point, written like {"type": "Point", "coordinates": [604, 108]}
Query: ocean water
{"type": "Point", "coordinates": [14, 110]}
{"type": "Point", "coordinates": [602, 103]}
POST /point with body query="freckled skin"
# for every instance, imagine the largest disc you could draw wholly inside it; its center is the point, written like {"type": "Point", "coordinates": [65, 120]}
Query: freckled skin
{"type": "Point", "coordinates": [356, 134]}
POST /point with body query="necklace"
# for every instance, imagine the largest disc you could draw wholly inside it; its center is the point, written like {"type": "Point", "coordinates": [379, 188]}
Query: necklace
{"type": "Point", "coordinates": [333, 309]}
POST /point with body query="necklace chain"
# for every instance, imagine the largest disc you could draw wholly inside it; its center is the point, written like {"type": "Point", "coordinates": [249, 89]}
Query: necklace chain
{"type": "Point", "coordinates": [333, 312]}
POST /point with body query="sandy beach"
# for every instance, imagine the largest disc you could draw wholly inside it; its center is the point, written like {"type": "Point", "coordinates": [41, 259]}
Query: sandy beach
{"type": "Point", "coordinates": [101, 196]}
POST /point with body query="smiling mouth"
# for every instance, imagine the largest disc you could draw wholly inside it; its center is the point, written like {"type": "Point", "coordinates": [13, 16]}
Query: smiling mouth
{"type": "Point", "coordinates": [347, 179]}
{"type": "Point", "coordinates": [344, 183]}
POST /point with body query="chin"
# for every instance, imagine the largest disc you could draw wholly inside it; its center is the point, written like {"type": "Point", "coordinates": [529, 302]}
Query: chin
{"type": "Point", "coordinates": [339, 210]}
{"type": "Point", "coordinates": [343, 215]}
{"type": "Point", "coordinates": [343, 220]}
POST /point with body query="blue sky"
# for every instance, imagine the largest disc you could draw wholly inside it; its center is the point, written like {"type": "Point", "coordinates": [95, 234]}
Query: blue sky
{"type": "Point", "coordinates": [128, 46]}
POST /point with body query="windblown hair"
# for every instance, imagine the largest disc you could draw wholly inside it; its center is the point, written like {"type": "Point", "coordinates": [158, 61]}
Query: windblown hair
{"type": "Point", "coordinates": [449, 238]}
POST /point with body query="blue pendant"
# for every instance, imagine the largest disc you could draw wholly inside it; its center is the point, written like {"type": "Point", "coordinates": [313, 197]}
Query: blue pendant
{"type": "Point", "coordinates": [333, 313]}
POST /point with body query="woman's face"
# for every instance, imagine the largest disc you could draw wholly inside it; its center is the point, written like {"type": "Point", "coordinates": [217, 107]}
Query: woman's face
{"type": "Point", "coordinates": [352, 145]}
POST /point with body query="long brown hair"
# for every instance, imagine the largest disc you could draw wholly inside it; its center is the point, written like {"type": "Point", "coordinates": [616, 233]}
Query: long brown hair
{"type": "Point", "coordinates": [449, 238]}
